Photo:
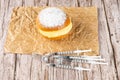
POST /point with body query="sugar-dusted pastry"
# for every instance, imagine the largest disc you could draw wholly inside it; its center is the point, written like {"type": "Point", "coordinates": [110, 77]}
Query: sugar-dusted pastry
{"type": "Point", "coordinates": [53, 23]}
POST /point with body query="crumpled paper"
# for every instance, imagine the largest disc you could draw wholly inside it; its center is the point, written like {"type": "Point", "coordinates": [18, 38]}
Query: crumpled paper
{"type": "Point", "coordinates": [24, 37]}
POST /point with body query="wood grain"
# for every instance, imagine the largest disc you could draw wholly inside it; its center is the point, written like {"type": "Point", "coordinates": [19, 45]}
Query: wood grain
{"type": "Point", "coordinates": [113, 21]}
{"type": "Point", "coordinates": [105, 47]}
{"type": "Point", "coordinates": [29, 67]}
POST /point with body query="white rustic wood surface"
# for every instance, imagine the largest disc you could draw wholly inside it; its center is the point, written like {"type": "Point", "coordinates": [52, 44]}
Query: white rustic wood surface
{"type": "Point", "coordinates": [29, 67]}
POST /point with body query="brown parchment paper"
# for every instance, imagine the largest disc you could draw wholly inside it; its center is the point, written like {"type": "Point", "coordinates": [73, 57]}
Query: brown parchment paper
{"type": "Point", "coordinates": [23, 36]}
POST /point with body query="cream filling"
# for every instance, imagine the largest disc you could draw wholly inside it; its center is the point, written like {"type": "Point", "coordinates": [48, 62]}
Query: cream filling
{"type": "Point", "coordinates": [52, 34]}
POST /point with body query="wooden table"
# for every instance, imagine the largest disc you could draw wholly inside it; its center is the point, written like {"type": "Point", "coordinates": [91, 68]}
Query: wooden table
{"type": "Point", "coordinates": [28, 67]}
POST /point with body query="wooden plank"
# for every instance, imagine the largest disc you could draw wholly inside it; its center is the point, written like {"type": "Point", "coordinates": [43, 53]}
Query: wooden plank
{"type": "Point", "coordinates": [28, 3]}
{"type": "Point", "coordinates": [69, 3]}
{"type": "Point", "coordinates": [7, 62]}
{"type": "Point", "coordinates": [106, 46]}
{"type": "Point", "coordinates": [36, 68]}
{"type": "Point", "coordinates": [2, 14]}
{"type": "Point", "coordinates": [118, 4]}
{"type": "Point", "coordinates": [41, 2]}
{"type": "Point", "coordinates": [113, 20]}
{"type": "Point", "coordinates": [83, 3]}
{"type": "Point", "coordinates": [23, 67]}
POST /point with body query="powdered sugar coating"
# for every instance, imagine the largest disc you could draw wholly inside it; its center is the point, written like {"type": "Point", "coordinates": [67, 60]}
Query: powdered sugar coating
{"type": "Point", "coordinates": [52, 17]}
